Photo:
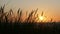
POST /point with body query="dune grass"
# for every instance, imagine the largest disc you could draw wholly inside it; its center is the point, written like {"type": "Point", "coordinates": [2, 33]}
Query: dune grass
{"type": "Point", "coordinates": [29, 26]}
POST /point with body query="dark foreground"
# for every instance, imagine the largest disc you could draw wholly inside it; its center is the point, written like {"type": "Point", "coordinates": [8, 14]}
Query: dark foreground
{"type": "Point", "coordinates": [30, 28]}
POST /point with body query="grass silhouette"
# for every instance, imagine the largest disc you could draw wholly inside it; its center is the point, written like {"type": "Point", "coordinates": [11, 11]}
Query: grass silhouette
{"type": "Point", "coordinates": [29, 26]}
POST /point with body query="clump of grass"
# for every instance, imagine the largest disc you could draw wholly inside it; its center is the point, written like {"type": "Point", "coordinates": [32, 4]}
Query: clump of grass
{"type": "Point", "coordinates": [11, 12]}
{"type": "Point", "coordinates": [2, 9]}
{"type": "Point", "coordinates": [35, 15]}
{"type": "Point", "coordinates": [19, 12]}
{"type": "Point", "coordinates": [30, 17]}
{"type": "Point", "coordinates": [8, 15]}
{"type": "Point", "coordinates": [2, 14]}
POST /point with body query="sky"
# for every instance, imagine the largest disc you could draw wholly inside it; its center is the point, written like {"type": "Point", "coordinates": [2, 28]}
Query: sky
{"type": "Point", "coordinates": [51, 8]}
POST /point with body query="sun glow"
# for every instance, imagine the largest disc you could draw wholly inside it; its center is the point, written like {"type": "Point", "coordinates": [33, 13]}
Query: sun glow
{"type": "Point", "coordinates": [41, 18]}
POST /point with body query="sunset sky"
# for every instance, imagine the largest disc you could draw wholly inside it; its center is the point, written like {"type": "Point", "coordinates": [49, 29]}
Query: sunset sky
{"type": "Point", "coordinates": [51, 8]}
